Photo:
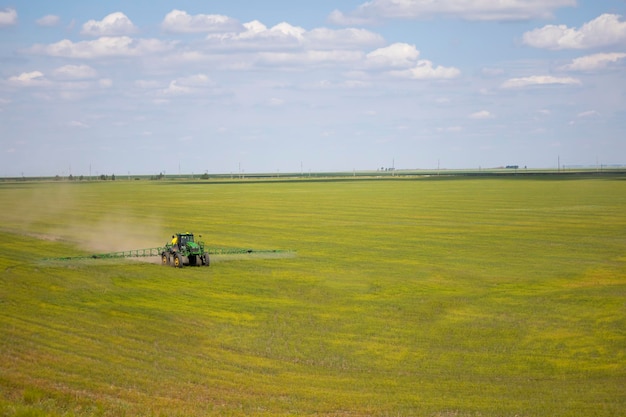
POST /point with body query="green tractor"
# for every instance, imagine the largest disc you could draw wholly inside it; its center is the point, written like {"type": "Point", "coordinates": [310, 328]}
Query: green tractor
{"type": "Point", "coordinates": [184, 250]}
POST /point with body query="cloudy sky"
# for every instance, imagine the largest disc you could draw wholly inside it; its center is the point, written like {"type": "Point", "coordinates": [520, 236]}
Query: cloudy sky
{"type": "Point", "coordinates": [188, 86]}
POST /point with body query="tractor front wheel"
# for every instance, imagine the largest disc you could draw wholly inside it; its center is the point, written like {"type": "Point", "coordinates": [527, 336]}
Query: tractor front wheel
{"type": "Point", "coordinates": [165, 259]}
{"type": "Point", "coordinates": [178, 261]}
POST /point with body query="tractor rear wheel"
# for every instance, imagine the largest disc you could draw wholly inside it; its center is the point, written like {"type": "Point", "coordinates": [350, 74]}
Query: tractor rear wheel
{"type": "Point", "coordinates": [165, 259]}
{"type": "Point", "coordinates": [178, 260]}
{"type": "Point", "coordinates": [205, 259]}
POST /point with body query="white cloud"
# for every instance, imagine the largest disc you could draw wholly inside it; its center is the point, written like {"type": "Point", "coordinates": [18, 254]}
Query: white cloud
{"type": "Point", "coordinates": [105, 82]}
{"type": "Point", "coordinates": [69, 82]}
{"type": "Point", "coordinates": [594, 62]}
{"type": "Point", "coordinates": [498, 10]}
{"type": "Point", "coordinates": [112, 25]}
{"type": "Point", "coordinates": [188, 85]}
{"type": "Point", "coordinates": [196, 80]}
{"type": "Point", "coordinates": [106, 46]}
{"type": "Point", "coordinates": [175, 89]}
{"type": "Point", "coordinates": [283, 45]}
{"type": "Point", "coordinates": [275, 102]}
{"type": "Point", "coordinates": [29, 79]}
{"type": "Point", "coordinates": [8, 17]}
{"type": "Point", "coordinates": [49, 20]}
{"type": "Point", "coordinates": [315, 57]}
{"type": "Point", "coordinates": [604, 30]}
{"type": "Point", "coordinates": [77, 124]}
{"type": "Point", "coordinates": [481, 115]}
{"type": "Point", "coordinates": [342, 38]}
{"type": "Point", "coordinates": [25, 76]}
{"type": "Point", "coordinates": [589, 113]}
{"type": "Point", "coordinates": [346, 84]}
{"type": "Point", "coordinates": [255, 35]}
{"type": "Point", "coordinates": [539, 80]}
{"type": "Point", "coordinates": [337, 17]}
{"type": "Point", "coordinates": [397, 55]}
{"type": "Point", "coordinates": [584, 116]}
{"type": "Point", "coordinates": [425, 70]}
{"type": "Point", "coordinates": [284, 29]}
{"type": "Point", "coordinates": [75, 72]}
{"type": "Point", "coordinates": [179, 21]}
{"type": "Point", "coordinates": [403, 59]}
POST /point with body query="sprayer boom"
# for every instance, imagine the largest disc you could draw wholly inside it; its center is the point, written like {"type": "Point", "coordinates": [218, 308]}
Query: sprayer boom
{"type": "Point", "coordinates": [154, 252]}
{"type": "Point", "coordinates": [183, 249]}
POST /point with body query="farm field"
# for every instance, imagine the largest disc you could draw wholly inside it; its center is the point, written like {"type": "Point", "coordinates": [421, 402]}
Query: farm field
{"type": "Point", "coordinates": [401, 297]}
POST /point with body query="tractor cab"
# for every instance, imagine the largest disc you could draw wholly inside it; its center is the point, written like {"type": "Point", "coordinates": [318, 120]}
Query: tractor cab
{"type": "Point", "coordinates": [184, 238]}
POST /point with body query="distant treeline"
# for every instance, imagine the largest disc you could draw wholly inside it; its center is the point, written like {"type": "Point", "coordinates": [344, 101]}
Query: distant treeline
{"type": "Point", "coordinates": [508, 171]}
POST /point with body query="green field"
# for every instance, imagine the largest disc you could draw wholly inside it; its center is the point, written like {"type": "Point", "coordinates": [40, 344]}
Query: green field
{"type": "Point", "coordinates": [402, 297]}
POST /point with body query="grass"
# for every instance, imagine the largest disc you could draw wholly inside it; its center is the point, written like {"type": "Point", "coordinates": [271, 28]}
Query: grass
{"type": "Point", "coordinates": [457, 297]}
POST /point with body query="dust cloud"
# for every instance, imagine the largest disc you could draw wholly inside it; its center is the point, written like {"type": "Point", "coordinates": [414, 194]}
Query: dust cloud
{"type": "Point", "coordinates": [65, 213]}
{"type": "Point", "coordinates": [118, 231]}
{"type": "Point", "coordinates": [29, 209]}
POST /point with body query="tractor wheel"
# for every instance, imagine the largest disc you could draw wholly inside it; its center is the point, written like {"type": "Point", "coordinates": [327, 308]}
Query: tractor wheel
{"type": "Point", "coordinates": [165, 259]}
{"type": "Point", "coordinates": [178, 261]}
{"type": "Point", "coordinates": [205, 259]}
{"type": "Point", "coordinates": [192, 260]}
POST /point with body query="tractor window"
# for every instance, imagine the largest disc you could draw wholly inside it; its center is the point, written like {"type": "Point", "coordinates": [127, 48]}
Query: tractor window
{"type": "Point", "coordinates": [185, 238]}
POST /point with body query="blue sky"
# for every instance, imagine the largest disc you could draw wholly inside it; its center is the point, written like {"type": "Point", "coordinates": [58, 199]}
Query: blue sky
{"type": "Point", "coordinates": [168, 86]}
